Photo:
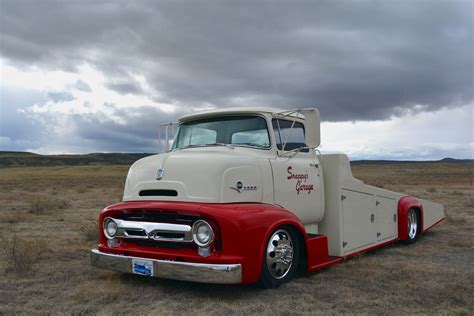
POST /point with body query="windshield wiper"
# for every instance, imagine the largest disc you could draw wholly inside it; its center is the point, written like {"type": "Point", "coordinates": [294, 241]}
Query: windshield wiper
{"type": "Point", "coordinates": [220, 144]}
{"type": "Point", "coordinates": [205, 145]}
{"type": "Point", "coordinates": [251, 145]}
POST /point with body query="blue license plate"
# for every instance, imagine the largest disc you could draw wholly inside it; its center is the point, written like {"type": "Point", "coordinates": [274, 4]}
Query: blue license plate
{"type": "Point", "coordinates": [142, 267]}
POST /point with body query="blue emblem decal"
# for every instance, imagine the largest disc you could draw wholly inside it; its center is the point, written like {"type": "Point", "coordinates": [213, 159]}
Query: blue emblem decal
{"type": "Point", "coordinates": [240, 187]}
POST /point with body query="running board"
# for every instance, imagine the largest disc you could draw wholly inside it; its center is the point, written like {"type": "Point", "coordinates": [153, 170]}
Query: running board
{"type": "Point", "coordinates": [331, 261]}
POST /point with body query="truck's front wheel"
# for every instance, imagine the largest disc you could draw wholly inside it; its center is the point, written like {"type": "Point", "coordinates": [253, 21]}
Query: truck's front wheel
{"type": "Point", "coordinates": [281, 258]}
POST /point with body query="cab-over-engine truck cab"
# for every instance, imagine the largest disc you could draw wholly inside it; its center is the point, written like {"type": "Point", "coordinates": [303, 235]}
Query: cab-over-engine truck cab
{"type": "Point", "coordinates": [243, 196]}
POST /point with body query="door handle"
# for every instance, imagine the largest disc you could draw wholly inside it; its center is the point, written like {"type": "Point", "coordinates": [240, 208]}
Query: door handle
{"type": "Point", "coordinates": [312, 164]}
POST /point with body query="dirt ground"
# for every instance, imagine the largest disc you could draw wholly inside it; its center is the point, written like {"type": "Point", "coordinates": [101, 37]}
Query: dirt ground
{"type": "Point", "coordinates": [47, 224]}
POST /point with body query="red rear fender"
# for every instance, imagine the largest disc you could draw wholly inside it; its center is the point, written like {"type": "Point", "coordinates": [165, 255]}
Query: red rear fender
{"type": "Point", "coordinates": [404, 205]}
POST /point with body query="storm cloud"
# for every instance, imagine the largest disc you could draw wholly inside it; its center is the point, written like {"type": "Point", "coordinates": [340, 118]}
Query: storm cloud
{"type": "Point", "coordinates": [363, 60]}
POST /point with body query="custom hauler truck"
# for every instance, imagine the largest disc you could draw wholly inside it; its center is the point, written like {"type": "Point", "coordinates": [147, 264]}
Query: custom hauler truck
{"type": "Point", "coordinates": [243, 196]}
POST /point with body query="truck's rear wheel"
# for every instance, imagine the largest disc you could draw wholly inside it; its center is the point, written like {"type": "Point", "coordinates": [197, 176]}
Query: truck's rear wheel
{"type": "Point", "coordinates": [281, 258]}
{"type": "Point", "coordinates": [413, 222]}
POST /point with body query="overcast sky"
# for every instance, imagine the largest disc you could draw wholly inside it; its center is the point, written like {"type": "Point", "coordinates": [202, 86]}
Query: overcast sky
{"type": "Point", "coordinates": [392, 79]}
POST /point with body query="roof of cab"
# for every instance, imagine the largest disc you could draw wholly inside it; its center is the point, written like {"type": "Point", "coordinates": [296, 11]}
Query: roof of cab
{"type": "Point", "coordinates": [236, 110]}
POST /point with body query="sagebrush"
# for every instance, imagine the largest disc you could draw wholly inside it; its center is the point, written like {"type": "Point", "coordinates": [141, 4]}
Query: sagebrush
{"type": "Point", "coordinates": [42, 204]}
{"type": "Point", "coordinates": [22, 255]}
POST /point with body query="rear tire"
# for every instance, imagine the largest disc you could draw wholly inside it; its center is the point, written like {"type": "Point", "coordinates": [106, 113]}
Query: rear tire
{"type": "Point", "coordinates": [413, 222]}
{"type": "Point", "coordinates": [281, 258]}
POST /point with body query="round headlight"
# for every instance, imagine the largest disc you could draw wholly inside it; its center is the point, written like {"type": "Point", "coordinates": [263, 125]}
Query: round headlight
{"type": "Point", "coordinates": [110, 228]}
{"type": "Point", "coordinates": [203, 234]}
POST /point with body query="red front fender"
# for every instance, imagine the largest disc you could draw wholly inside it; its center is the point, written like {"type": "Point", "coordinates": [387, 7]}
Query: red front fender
{"type": "Point", "coordinates": [243, 229]}
{"type": "Point", "coordinates": [246, 228]}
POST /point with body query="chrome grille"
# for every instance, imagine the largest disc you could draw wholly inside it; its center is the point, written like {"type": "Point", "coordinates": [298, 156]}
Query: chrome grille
{"type": "Point", "coordinates": [154, 231]}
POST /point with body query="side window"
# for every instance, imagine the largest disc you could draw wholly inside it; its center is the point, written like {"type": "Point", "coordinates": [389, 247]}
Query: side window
{"type": "Point", "coordinates": [255, 138]}
{"type": "Point", "coordinates": [294, 137]}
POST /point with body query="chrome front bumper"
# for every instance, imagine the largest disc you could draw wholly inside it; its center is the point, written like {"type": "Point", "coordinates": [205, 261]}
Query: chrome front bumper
{"type": "Point", "coordinates": [185, 271]}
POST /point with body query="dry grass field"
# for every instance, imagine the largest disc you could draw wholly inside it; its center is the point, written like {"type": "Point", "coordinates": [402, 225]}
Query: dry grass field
{"type": "Point", "coordinates": [47, 226]}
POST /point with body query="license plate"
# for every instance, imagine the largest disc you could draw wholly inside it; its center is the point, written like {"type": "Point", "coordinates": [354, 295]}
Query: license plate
{"type": "Point", "coordinates": [142, 267]}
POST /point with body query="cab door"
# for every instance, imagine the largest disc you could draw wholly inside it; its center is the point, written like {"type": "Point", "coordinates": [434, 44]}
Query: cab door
{"type": "Point", "coordinates": [297, 178]}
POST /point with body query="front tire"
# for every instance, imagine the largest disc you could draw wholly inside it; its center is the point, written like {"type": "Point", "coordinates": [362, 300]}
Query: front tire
{"type": "Point", "coordinates": [413, 222]}
{"type": "Point", "coordinates": [281, 258]}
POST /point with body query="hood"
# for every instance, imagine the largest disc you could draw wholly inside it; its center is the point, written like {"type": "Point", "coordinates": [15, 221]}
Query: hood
{"type": "Point", "coordinates": [206, 175]}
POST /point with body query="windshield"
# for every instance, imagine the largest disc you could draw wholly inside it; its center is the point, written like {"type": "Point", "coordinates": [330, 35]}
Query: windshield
{"type": "Point", "coordinates": [232, 130]}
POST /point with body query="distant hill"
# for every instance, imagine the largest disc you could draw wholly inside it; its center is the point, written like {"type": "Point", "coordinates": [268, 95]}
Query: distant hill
{"type": "Point", "coordinates": [382, 162]}
{"type": "Point", "coordinates": [28, 159]}
{"type": "Point", "coordinates": [17, 154]}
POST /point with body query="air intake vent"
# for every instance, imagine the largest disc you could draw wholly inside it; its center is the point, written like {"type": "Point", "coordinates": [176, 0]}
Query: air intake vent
{"type": "Point", "coordinates": [158, 193]}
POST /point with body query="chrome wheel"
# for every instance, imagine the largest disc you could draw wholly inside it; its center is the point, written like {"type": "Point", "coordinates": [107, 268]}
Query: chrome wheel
{"type": "Point", "coordinates": [280, 254]}
{"type": "Point", "coordinates": [412, 224]}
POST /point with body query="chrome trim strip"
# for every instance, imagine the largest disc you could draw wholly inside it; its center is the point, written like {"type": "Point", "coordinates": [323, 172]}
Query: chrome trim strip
{"type": "Point", "coordinates": [185, 271]}
{"type": "Point", "coordinates": [152, 230]}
